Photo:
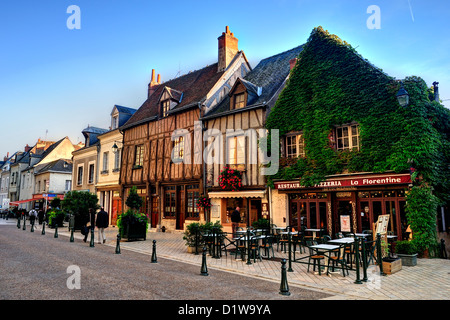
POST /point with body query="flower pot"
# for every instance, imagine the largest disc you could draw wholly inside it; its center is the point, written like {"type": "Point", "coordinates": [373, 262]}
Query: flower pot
{"type": "Point", "coordinates": [408, 260]}
{"type": "Point", "coordinates": [191, 249]}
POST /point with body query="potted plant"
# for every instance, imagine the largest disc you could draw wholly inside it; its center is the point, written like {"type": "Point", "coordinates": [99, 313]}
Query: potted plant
{"type": "Point", "coordinates": [132, 224]}
{"type": "Point", "coordinates": [193, 238]}
{"type": "Point", "coordinates": [196, 233]}
{"type": "Point", "coordinates": [261, 224]}
{"type": "Point", "coordinates": [55, 217]}
{"type": "Point", "coordinates": [407, 252]}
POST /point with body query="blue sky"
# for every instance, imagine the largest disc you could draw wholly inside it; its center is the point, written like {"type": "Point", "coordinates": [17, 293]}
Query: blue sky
{"type": "Point", "coordinates": [54, 81]}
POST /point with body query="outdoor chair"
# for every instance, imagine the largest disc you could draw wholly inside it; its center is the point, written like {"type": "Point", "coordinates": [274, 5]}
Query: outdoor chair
{"type": "Point", "coordinates": [339, 259]}
{"type": "Point", "coordinates": [267, 245]}
{"type": "Point", "coordinates": [316, 257]}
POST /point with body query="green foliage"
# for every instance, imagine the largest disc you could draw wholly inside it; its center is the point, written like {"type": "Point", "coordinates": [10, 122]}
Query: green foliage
{"type": "Point", "coordinates": [196, 228]}
{"type": "Point", "coordinates": [55, 203]}
{"type": "Point", "coordinates": [406, 247]}
{"type": "Point", "coordinates": [332, 85]}
{"type": "Point", "coordinates": [134, 201]}
{"type": "Point", "coordinates": [131, 216]}
{"type": "Point", "coordinates": [79, 203]}
{"type": "Point", "coordinates": [421, 214]}
{"type": "Point", "coordinates": [261, 224]}
{"type": "Point", "coordinates": [56, 216]}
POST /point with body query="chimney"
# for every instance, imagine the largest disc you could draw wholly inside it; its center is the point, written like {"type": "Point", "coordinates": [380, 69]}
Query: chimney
{"type": "Point", "coordinates": [153, 85]}
{"type": "Point", "coordinates": [228, 47]}
{"type": "Point", "coordinates": [436, 91]}
{"type": "Point", "coordinates": [27, 148]}
{"type": "Point", "coordinates": [292, 63]}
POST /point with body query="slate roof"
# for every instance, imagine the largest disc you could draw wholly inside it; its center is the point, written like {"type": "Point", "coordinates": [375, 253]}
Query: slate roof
{"type": "Point", "coordinates": [269, 75]}
{"type": "Point", "coordinates": [193, 87]}
{"type": "Point", "coordinates": [123, 109]}
{"type": "Point", "coordinates": [60, 165]}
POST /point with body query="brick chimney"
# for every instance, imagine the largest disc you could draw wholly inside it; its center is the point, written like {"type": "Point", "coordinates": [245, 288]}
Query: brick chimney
{"type": "Point", "coordinates": [153, 85]}
{"type": "Point", "coordinates": [292, 63]}
{"type": "Point", "coordinates": [228, 47]}
{"type": "Point", "coordinates": [27, 148]}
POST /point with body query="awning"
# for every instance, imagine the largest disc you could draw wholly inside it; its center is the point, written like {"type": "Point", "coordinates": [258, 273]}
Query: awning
{"type": "Point", "coordinates": [237, 194]}
{"type": "Point", "coordinates": [16, 203]}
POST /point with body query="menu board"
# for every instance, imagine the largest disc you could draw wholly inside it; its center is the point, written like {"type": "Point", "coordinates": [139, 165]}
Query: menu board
{"type": "Point", "coordinates": [345, 223]}
{"type": "Point", "coordinates": [382, 224]}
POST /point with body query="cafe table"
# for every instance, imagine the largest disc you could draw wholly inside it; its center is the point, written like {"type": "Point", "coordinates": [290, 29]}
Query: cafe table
{"type": "Point", "coordinates": [342, 240]}
{"type": "Point", "coordinates": [313, 231]}
{"type": "Point", "coordinates": [326, 250]}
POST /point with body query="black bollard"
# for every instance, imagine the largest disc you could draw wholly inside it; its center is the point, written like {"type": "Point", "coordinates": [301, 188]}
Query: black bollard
{"type": "Point", "coordinates": [71, 235]}
{"type": "Point", "coordinates": [204, 269]}
{"type": "Point", "coordinates": [32, 226]}
{"type": "Point", "coordinates": [358, 279]}
{"type": "Point", "coordinates": [56, 231]}
{"type": "Point", "coordinates": [18, 223]}
{"type": "Point", "coordinates": [284, 287]}
{"type": "Point", "coordinates": [154, 252]}
{"type": "Point", "coordinates": [43, 228]}
{"type": "Point", "coordinates": [118, 244]}
{"type": "Point", "coordinates": [91, 244]}
{"type": "Point", "coordinates": [24, 222]}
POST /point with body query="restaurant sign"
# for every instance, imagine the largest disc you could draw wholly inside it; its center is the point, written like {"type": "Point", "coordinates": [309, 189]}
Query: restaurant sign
{"type": "Point", "coordinates": [366, 181]}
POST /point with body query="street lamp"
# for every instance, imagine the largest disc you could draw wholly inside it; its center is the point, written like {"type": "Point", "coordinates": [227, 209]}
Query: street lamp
{"type": "Point", "coordinates": [115, 148]}
{"type": "Point", "coordinates": [402, 96]}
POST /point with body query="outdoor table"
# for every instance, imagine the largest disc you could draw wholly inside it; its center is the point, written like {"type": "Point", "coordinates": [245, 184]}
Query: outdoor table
{"type": "Point", "coordinates": [246, 239]}
{"type": "Point", "coordinates": [362, 234]}
{"type": "Point", "coordinates": [313, 231]}
{"type": "Point", "coordinates": [326, 249]}
{"type": "Point", "coordinates": [342, 240]}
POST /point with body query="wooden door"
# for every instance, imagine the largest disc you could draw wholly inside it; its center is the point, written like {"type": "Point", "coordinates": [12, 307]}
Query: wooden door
{"type": "Point", "coordinates": [155, 212]}
{"type": "Point", "coordinates": [180, 208]}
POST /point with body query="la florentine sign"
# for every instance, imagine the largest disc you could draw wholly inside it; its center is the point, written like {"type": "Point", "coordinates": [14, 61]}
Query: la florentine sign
{"type": "Point", "coordinates": [365, 181]}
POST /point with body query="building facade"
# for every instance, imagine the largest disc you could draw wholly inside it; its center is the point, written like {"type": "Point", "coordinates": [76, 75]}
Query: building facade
{"type": "Point", "coordinates": [160, 154]}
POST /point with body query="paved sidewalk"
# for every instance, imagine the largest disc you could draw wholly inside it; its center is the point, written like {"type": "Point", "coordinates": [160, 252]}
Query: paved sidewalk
{"type": "Point", "coordinates": [429, 280]}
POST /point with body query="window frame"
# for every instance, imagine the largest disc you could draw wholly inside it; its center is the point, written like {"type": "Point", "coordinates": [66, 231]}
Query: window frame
{"type": "Point", "coordinates": [233, 159]}
{"type": "Point", "coordinates": [138, 156]}
{"type": "Point", "coordinates": [178, 149]}
{"type": "Point", "coordinates": [80, 173]}
{"type": "Point", "coordinates": [170, 194]}
{"type": "Point", "coordinates": [165, 107]}
{"type": "Point", "coordinates": [192, 196]}
{"type": "Point", "coordinates": [350, 136]}
{"type": "Point", "coordinates": [239, 104]}
{"type": "Point", "coordinates": [91, 173]}
{"type": "Point", "coordinates": [299, 145]}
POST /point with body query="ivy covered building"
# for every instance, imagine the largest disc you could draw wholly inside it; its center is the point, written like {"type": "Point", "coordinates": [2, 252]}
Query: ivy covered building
{"type": "Point", "coordinates": [350, 152]}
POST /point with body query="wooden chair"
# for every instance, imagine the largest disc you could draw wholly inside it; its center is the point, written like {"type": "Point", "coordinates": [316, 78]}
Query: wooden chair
{"type": "Point", "coordinates": [267, 245]}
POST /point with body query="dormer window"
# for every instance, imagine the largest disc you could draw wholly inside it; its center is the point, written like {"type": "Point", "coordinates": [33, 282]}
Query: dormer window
{"type": "Point", "coordinates": [115, 122]}
{"type": "Point", "coordinates": [165, 106]}
{"type": "Point", "coordinates": [239, 100]}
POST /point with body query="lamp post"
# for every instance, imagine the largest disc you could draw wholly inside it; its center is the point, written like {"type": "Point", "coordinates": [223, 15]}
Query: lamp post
{"type": "Point", "coordinates": [402, 96]}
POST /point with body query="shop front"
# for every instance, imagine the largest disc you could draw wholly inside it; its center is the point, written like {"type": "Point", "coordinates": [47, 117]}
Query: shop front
{"type": "Point", "coordinates": [348, 203]}
{"type": "Point", "coordinates": [253, 206]}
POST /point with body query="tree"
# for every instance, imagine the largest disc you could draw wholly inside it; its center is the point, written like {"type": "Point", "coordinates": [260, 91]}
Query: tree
{"type": "Point", "coordinates": [134, 201]}
{"type": "Point", "coordinates": [79, 203]}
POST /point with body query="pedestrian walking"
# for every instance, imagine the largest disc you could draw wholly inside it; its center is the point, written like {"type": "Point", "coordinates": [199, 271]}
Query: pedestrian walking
{"type": "Point", "coordinates": [41, 216]}
{"type": "Point", "coordinates": [33, 215]}
{"type": "Point", "coordinates": [89, 224]}
{"type": "Point", "coordinates": [101, 223]}
{"type": "Point", "coordinates": [235, 219]}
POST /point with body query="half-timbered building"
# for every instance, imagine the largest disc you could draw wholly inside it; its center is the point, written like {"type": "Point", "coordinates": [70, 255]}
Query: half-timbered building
{"type": "Point", "coordinates": [165, 167]}
{"type": "Point", "coordinates": [240, 120]}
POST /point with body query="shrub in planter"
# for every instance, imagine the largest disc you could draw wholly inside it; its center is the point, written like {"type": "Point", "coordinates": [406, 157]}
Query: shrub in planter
{"type": "Point", "coordinates": [407, 251]}
{"type": "Point", "coordinates": [195, 231]}
{"type": "Point", "coordinates": [132, 225]}
{"type": "Point", "coordinates": [55, 217]}
{"type": "Point", "coordinates": [261, 224]}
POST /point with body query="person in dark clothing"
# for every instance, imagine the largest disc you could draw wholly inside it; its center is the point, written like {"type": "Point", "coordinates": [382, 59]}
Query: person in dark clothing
{"type": "Point", "coordinates": [91, 222]}
{"type": "Point", "coordinates": [101, 223]}
{"type": "Point", "coordinates": [235, 219]}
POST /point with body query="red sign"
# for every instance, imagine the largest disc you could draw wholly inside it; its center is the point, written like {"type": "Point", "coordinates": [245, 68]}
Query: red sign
{"type": "Point", "coordinates": [367, 181]}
